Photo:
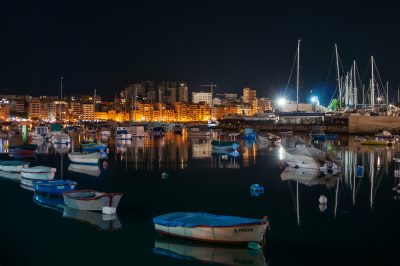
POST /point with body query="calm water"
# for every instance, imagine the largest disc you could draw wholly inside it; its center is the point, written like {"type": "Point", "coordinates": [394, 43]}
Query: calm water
{"type": "Point", "coordinates": [360, 224]}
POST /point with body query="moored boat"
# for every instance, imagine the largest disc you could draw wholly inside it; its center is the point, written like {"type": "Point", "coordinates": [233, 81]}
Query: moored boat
{"type": "Point", "coordinates": [54, 187]}
{"type": "Point", "coordinates": [60, 138]}
{"type": "Point", "coordinates": [137, 131]}
{"type": "Point", "coordinates": [318, 134]}
{"type": "Point", "coordinates": [249, 134]}
{"type": "Point", "coordinates": [93, 146]}
{"type": "Point", "coordinates": [200, 131]}
{"type": "Point", "coordinates": [84, 157]}
{"type": "Point", "coordinates": [105, 132]}
{"type": "Point", "coordinates": [270, 138]}
{"type": "Point", "coordinates": [211, 228]}
{"type": "Point", "coordinates": [91, 200]}
{"type": "Point", "coordinates": [31, 174]}
{"type": "Point", "coordinates": [13, 166]}
{"type": "Point", "coordinates": [376, 142]}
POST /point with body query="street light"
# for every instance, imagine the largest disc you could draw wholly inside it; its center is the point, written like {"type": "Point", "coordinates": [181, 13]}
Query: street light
{"type": "Point", "coordinates": [281, 102]}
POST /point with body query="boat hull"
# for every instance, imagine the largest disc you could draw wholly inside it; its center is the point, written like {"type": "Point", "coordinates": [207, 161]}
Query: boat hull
{"type": "Point", "coordinates": [54, 187]}
{"type": "Point", "coordinates": [93, 203]}
{"type": "Point", "coordinates": [238, 234]}
{"type": "Point", "coordinates": [89, 159]}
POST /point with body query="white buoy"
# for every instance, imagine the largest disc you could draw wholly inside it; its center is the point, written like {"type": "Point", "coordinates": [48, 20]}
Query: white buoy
{"type": "Point", "coordinates": [323, 199]}
{"type": "Point", "coordinates": [109, 210]}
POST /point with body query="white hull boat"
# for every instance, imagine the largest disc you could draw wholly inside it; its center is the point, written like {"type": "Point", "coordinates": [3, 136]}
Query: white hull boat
{"type": "Point", "coordinates": [60, 138]}
{"type": "Point", "coordinates": [211, 228]}
{"type": "Point", "coordinates": [31, 174]}
{"type": "Point", "coordinates": [36, 136]}
{"type": "Point", "coordinates": [90, 200]}
{"type": "Point", "coordinates": [13, 166]}
{"type": "Point", "coordinates": [122, 134]}
{"type": "Point", "coordinates": [84, 158]}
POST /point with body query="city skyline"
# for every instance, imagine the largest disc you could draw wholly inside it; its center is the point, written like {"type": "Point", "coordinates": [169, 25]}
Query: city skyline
{"type": "Point", "coordinates": [232, 44]}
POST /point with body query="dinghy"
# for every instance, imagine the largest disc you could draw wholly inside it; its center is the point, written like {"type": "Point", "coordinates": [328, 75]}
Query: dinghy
{"type": "Point", "coordinates": [122, 134]}
{"type": "Point", "coordinates": [31, 174]}
{"type": "Point", "coordinates": [53, 187]}
{"type": "Point", "coordinates": [60, 138]}
{"type": "Point", "coordinates": [84, 158]}
{"type": "Point", "coordinates": [22, 151]}
{"type": "Point", "coordinates": [13, 166]}
{"type": "Point", "coordinates": [91, 200]}
{"type": "Point", "coordinates": [211, 228]}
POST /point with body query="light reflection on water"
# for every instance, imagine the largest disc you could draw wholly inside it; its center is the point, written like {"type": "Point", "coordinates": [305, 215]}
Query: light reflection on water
{"type": "Point", "coordinates": [219, 183]}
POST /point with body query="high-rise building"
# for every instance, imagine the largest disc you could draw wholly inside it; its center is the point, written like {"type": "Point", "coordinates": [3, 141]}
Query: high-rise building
{"type": "Point", "coordinates": [183, 92]}
{"type": "Point", "coordinates": [87, 111]}
{"type": "Point", "coordinates": [4, 109]}
{"type": "Point", "coordinates": [202, 97]}
{"type": "Point", "coordinates": [249, 95]}
{"type": "Point", "coordinates": [34, 108]}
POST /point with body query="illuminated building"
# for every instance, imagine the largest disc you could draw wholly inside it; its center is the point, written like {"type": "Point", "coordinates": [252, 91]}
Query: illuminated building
{"type": "Point", "coordinates": [87, 111]}
{"type": "Point", "coordinates": [198, 97]}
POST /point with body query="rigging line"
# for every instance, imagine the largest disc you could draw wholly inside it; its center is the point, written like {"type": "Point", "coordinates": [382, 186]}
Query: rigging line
{"type": "Point", "coordinates": [291, 71]}
{"type": "Point", "coordinates": [329, 70]}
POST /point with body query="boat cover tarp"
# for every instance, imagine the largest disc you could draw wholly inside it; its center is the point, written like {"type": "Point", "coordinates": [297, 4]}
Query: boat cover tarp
{"type": "Point", "coordinates": [193, 219]}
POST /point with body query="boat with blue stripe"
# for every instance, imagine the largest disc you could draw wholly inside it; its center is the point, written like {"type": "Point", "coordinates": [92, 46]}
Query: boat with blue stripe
{"type": "Point", "coordinates": [54, 187]}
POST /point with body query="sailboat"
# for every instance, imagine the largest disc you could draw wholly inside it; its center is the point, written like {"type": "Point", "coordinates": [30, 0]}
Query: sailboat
{"type": "Point", "coordinates": [59, 137]}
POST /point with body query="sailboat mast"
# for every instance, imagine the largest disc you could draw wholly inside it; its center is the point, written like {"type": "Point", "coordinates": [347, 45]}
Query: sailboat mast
{"type": "Point", "coordinates": [298, 74]}
{"type": "Point", "coordinates": [355, 84]}
{"type": "Point", "coordinates": [94, 100]}
{"type": "Point", "coordinates": [387, 92]}
{"type": "Point", "coordinates": [61, 95]}
{"type": "Point", "coordinates": [372, 84]}
{"type": "Point", "coordinates": [338, 77]}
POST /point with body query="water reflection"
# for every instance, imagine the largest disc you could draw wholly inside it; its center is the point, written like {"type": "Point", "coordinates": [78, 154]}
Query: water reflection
{"type": "Point", "coordinates": [92, 170]}
{"type": "Point", "coordinates": [208, 253]}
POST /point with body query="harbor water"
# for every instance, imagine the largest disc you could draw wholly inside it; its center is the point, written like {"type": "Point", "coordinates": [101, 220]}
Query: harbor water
{"type": "Point", "coordinates": [359, 224]}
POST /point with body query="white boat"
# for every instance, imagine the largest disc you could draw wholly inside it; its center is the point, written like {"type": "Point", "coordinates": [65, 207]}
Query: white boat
{"type": "Point", "coordinates": [13, 166]}
{"type": "Point", "coordinates": [60, 138]}
{"type": "Point", "coordinates": [91, 200]}
{"type": "Point", "coordinates": [31, 174]}
{"type": "Point", "coordinates": [40, 133]}
{"type": "Point", "coordinates": [92, 170]}
{"type": "Point", "coordinates": [137, 131]}
{"type": "Point", "coordinates": [122, 134]}
{"type": "Point", "coordinates": [211, 228]}
{"type": "Point", "coordinates": [85, 157]}
{"type": "Point", "coordinates": [270, 138]}
{"type": "Point", "coordinates": [203, 131]}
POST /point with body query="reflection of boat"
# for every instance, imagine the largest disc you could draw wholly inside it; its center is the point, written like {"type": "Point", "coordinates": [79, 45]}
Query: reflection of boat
{"type": "Point", "coordinates": [225, 152]}
{"type": "Point", "coordinates": [84, 158]}
{"type": "Point", "coordinates": [201, 131]}
{"type": "Point", "coordinates": [92, 170]}
{"type": "Point", "coordinates": [318, 134]}
{"type": "Point", "coordinates": [60, 138]}
{"type": "Point", "coordinates": [91, 200]}
{"type": "Point", "coordinates": [309, 177]}
{"type": "Point", "coordinates": [61, 148]}
{"type": "Point", "coordinates": [270, 138]}
{"type": "Point", "coordinates": [105, 132]}
{"type": "Point", "coordinates": [249, 134]}
{"type": "Point", "coordinates": [103, 222]}
{"type": "Point", "coordinates": [93, 146]}
{"type": "Point", "coordinates": [136, 131]}
{"type": "Point", "coordinates": [208, 253]}
{"type": "Point", "coordinates": [13, 166]}
{"type": "Point", "coordinates": [224, 145]}
{"type": "Point", "coordinates": [40, 133]}
{"type": "Point", "coordinates": [56, 203]}
{"type": "Point", "coordinates": [10, 175]}
{"type": "Point", "coordinates": [122, 133]}
{"type": "Point", "coordinates": [54, 187]}
{"type": "Point", "coordinates": [22, 151]}
{"type": "Point", "coordinates": [211, 228]}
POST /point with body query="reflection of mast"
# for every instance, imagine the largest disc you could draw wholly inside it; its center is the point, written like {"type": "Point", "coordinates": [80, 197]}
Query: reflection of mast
{"type": "Point", "coordinates": [297, 203]}
{"type": "Point", "coordinates": [372, 174]}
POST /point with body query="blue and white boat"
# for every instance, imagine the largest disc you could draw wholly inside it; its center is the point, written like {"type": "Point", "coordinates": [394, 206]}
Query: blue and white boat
{"type": "Point", "coordinates": [54, 187]}
{"type": "Point", "coordinates": [249, 134]}
{"type": "Point", "coordinates": [93, 146]}
{"type": "Point", "coordinates": [224, 145]}
{"type": "Point", "coordinates": [122, 134]}
{"type": "Point", "coordinates": [13, 166]}
{"type": "Point", "coordinates": [211, 228]}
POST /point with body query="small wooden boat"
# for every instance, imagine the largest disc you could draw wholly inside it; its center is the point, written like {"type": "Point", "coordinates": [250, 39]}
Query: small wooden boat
{"type": "Point", "coordinates": [54, 187]}
{"type": "Point", "coordinates": [93, 146]}
{"type": "Point", "coordinates": [92, 170]}
{"type": "Point", "coordinates": [103, 222]}
{"type": "Point", "coordinates": [211, 228]}
{"type": "Point", "coordinates": [31, 174]}
{"type": "Point", "coordinates": [22, 151]}
{"type": "Point", "coordinates": [122, 134]}
{"type": "Point", "coordinates": [375, 142]}
{"type": "Point", "coordinates": [12, 166]}
{"type": "Point", "coordinates": [84, 157]}
{"type": "Point", "coordinates": [91, 200]}
{"type": "Point", "coordinates": [224, 145]}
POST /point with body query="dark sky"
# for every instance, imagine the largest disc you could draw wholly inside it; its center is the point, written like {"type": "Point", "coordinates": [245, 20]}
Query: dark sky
{"type": "Point", "coordinates": [107, 45]}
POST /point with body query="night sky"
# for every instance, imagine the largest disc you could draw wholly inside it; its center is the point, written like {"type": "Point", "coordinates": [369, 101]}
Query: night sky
{"type": "Point", "coordinates": [107, 45]}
